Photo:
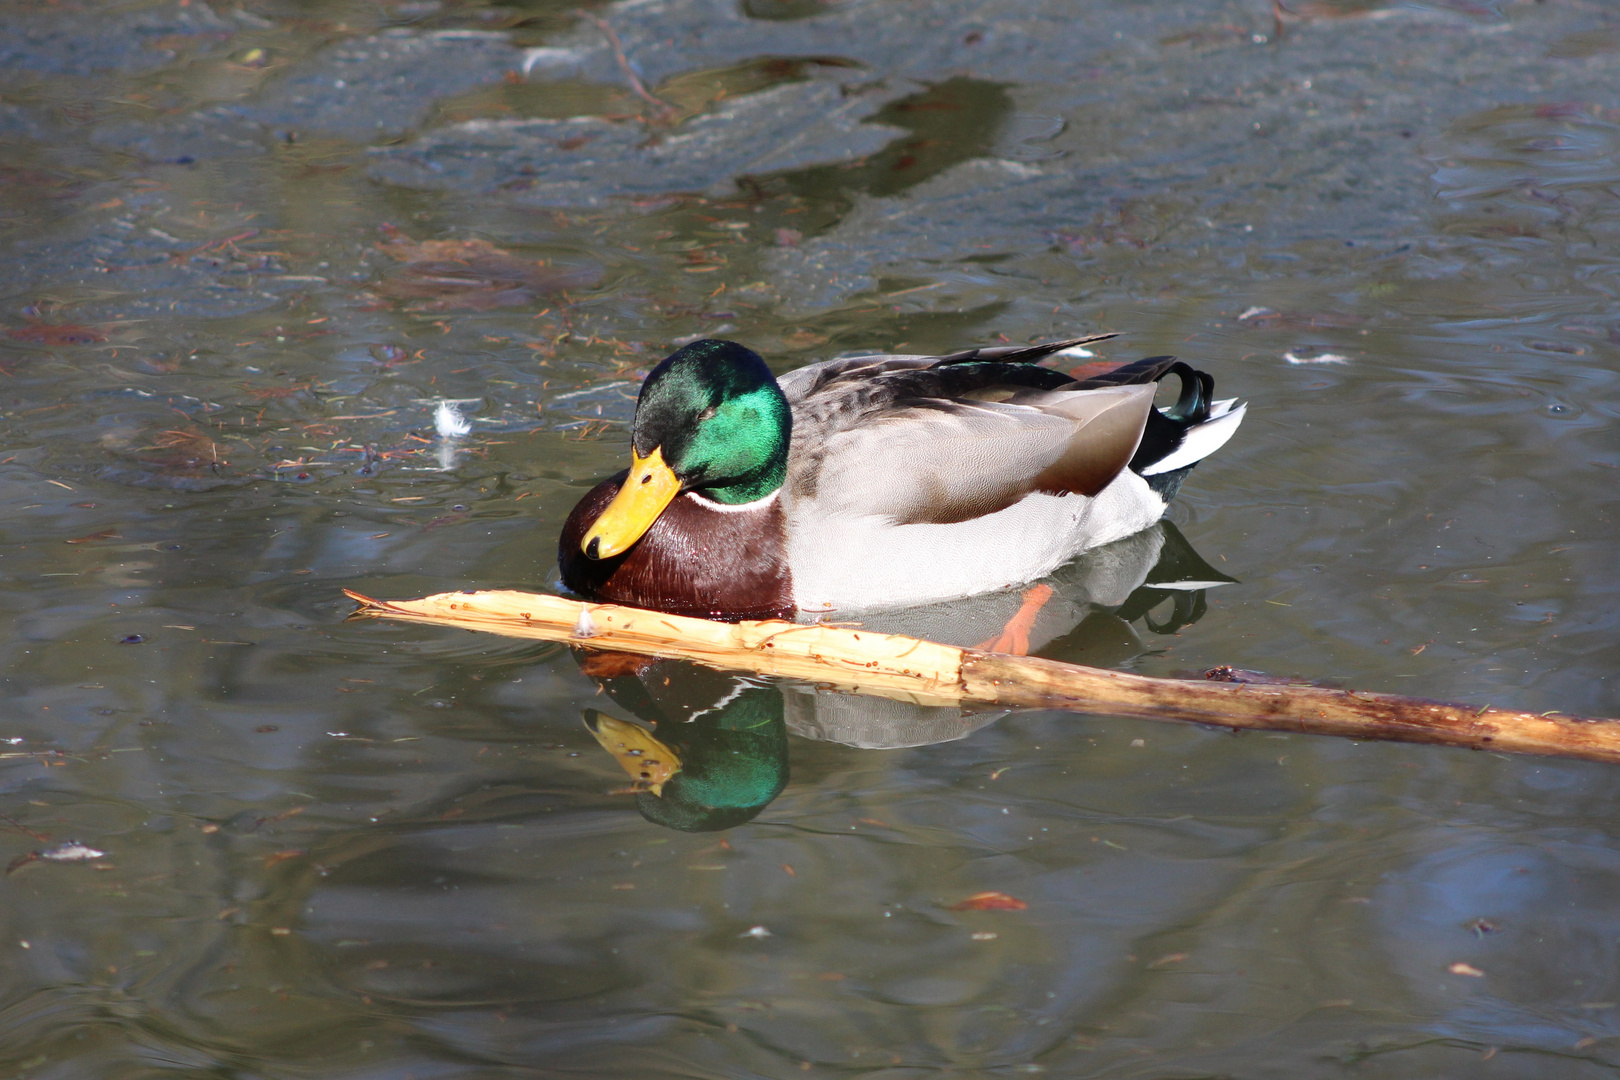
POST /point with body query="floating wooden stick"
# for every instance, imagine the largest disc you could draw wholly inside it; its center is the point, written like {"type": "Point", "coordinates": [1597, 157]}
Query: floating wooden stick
{"type": "Point", "coordinates": [928, 673]}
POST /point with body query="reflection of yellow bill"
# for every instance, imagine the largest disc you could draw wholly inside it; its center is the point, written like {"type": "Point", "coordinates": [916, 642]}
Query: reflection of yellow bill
{"type": "Point", "coordinates": [647, 490]}
{"type": "Point", "coordinates": [649, 762]}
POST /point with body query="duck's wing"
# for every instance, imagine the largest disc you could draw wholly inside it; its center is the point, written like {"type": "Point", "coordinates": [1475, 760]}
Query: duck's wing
{"type": "Point", "coordinates": [805, 382]}
{"type": "Point", "coordinates": [942, 439]}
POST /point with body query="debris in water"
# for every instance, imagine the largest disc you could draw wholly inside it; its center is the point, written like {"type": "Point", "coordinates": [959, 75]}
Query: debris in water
{"type": "Point", "coordinates": [71, 851]}
{"type": "Point", "coordinates": [804, 339]}
{"type": "Point", "coordinates": [181, 451]}
{"type": "Point", "coordinates": [1320, 358]}
{"type": "Point", "coordinates": [105, 534]}
{"type": "Point", "coordinates": [1168, 959]}
{"type": "Point", "coordinates": [471, 275]}
{"type": "Point", "coordinates": [990, 901]}
{"type": "Point", "coordinates": [1228, 673]}
{"type": "Point", "coordinates": [57, 334]}
{"type": "Point", "coordinates": [66, 852]}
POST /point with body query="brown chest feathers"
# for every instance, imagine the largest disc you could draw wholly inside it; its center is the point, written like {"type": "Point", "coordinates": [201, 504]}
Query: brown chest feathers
{"type": "Point", "coordinates": [694, 560]}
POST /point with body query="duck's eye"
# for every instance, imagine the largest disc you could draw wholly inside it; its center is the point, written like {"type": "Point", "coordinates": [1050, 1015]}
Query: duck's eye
{"type": "Point", "coordinates": [707, 414]}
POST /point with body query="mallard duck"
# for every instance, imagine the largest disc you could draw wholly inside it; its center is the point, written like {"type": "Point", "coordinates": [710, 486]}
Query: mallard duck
{"type": "Point", "coordinates": [878, 481]}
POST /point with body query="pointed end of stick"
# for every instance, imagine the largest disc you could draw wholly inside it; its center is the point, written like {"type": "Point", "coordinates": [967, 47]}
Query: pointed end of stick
{"type": "Point", "coordinates": [368, 609]}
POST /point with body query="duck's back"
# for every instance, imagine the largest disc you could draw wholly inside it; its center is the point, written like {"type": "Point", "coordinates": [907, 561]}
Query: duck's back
{"type": "Point", "coordinates": [918, 478]}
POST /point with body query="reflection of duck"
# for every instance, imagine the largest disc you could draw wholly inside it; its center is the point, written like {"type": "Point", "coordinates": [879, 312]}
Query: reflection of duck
{"type": "Point", "coordinates": [718, 751]}
{"type": "Point", "coordinates": [1129, 578]}
{"type": "Point", "coordinates": [1089, 618]}
{"type": "Point", "coordinates": [879, 480]}
{"type": "Point", "coordinates": [719, 755]}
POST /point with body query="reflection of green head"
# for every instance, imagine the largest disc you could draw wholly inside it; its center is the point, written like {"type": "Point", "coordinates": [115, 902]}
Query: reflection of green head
{"type": "Point", "coordinates": [733, 763]}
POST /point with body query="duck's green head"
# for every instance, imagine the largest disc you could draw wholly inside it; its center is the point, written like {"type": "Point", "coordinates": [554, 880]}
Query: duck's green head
{"type": "Point", "coordinates": [710, 419]}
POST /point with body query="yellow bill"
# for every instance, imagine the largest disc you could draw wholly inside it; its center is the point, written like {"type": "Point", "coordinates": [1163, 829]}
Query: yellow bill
{"type": "Point", "coordinates": [649, 762]}
{"type": "Point", "coordinates": [649, 488]}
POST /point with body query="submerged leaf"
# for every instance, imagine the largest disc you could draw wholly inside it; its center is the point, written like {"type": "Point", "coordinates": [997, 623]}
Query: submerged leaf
{"type": "Point", "coordinates": [57, 334]}
{"type": "Point", "coordinates": [990, 901]}
{"type": "Point", "coordinates": [472, 275]}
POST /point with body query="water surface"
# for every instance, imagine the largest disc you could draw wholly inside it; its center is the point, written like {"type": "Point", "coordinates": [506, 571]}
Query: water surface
{"type": "Point", "coordinates": [250, 248]}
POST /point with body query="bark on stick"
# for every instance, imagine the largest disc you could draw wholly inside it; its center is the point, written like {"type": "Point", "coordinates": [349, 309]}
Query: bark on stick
{"type": "Point", "coordinates": [929, 673]}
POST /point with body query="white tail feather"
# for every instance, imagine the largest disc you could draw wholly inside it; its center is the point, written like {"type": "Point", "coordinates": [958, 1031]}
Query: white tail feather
{"type": "Point", "coordinates": [1201, 440]}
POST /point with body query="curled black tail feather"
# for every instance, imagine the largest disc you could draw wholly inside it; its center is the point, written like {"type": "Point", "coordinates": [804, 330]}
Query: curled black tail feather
{"type": "Point", "coordinates": [1197, 392]}
{"type": "Point", "coordinates": [1197, 387]}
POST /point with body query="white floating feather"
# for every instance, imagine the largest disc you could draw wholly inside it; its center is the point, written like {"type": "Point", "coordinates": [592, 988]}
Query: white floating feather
{"type": "Point", "coordinates": [448, 421]}
{"type": "Point", "coordinates": [71, 851]}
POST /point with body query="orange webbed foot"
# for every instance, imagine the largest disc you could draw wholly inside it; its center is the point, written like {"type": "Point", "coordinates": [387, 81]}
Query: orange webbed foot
{"type": "Point", "coordinates": [1014, 637]}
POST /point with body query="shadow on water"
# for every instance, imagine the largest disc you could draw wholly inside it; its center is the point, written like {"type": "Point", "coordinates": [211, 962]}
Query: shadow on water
{"type": "Point", "coordinates": [945, 124]}
{"type": "Point", "coordinates": [899, 143]}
